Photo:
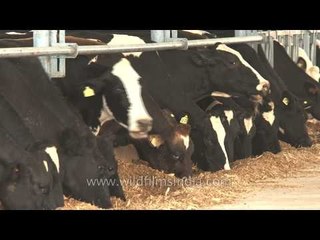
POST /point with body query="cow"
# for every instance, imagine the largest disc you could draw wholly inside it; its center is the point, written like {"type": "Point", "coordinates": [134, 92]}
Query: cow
{"type": "Point", "coordinates": [40, 160]}
{"type": "Point", "coordinates": [171, 153]}
{"type": "Point", "coordinates": [288, 119]}
{"type": "Point", "coordinates": [40, 105]}
{"type": "Point", "coordinates": [297, 81]}
{"type": "Point", "coordinates": [226, 128]}
{"type": "Point", "coordinates": [244, 112]}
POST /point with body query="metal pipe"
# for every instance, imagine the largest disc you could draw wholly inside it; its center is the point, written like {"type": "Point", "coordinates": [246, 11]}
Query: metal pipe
{"type": "Point", "coordinates": [74, 50]}
{"type": "Point", "coordinates": [229, 40]}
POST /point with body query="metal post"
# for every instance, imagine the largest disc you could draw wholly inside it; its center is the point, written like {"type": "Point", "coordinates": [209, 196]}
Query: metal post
{"type": "Point", "coordinates": [157, 35]}
{"type": "Point", "coordinates": [240, 33]}
{"type": "Point", "coordinates": [174, 33]}
{"type": "Point", "coordinates": [295, 47]}
{"type": "Point", "coordinates": [313, 55]}
{"type": "Point", "coordinates": [41, 38]}
{"type": "Point", "coordinates": [306, 42]}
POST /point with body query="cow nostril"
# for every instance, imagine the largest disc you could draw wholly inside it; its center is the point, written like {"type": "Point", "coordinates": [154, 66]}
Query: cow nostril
{"type": "Point", "coordinates": [145, 124]}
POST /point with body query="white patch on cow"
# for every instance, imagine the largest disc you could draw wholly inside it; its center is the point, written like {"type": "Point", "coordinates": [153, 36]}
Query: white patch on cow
{"type": "Point", "coordinates": [262, 81]}
{"type": "Point", "coordinates": [269, 116]}
{"type": "Point", "coordinates": [46, 165]}
{"type": "Point", "coordinates": [105, 114]}
{"type": "Point", "coordinates": [220, 94]}
{"type": "Point", "coordinates": [229, 115]}
{"type": "Point", "coordinates": [15, 33]}
{"type": "Point", "coordinates": [130, 80]}
{"type": "Point", "coordinates": [186, 140]}
{"type": "Point", "coordinates": [248, 124]}
{"type": "Point", "coordinates": [311, 70]}
{"type": "Point", "coordinates": [95, 131]}
{"type": "Point", "coordinates": [93, 60]}
{"type": "Point", "coordinates": [281, 130]}
{"type": "Point", "coordinates": [52, 151]}
{"type": "Point", "coordinates": [221, 133]}
{"type": "Point", "coordinates": [122, 39]}
{"type": "Point", "coordinates": [197, 32]}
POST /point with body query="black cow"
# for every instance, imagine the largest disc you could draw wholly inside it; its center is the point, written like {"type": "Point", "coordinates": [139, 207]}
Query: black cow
{"type": "Point", "coordinates": [41, 168]}
{"type": "Point", "coordinates": [39, 103]}
{"type": "Point", "coordinates": [287, 109]}
{"type": "Point", "coordinates": [297, 81]}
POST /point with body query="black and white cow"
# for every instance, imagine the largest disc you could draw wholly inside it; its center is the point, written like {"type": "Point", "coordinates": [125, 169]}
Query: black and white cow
{"type": "Point", "coordinates": [244, 113]}
{"type": "Point", "coordinates": [287, 109]}
{"type": "Point", "coordinates": [226, 128]}
{"type": "Point", "coordinates": [40, 105]}
{"type": "Point", "coordinates": [297, 81]}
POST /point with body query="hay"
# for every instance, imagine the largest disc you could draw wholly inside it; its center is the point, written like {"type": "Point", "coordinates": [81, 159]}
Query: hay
{"type": "Point", "coordinates": [205, 189]}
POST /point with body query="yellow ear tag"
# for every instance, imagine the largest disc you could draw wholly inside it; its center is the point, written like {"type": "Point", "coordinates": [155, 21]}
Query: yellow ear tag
{"type": "Point", "coordinates": [285, 101]}
{"type": "Point", "coordinates": [88, 92]}
{"type": "Point", "coordinates": [184, 119]}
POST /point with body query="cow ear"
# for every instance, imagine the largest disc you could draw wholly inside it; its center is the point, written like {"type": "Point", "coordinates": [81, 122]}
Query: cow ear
{"type": "Point", "coordinates": [183, 129]}
{"type": "Point", "coordinates": [302, 63]}
{"type": "Point", "coordinates": [311, 89]}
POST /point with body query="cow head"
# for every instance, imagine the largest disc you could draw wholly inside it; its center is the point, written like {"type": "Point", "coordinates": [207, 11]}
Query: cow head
{"type": "Point", "coordinates": [292, 119]}
{"type": "Point", "coordinates": [29, 180]}
{"type": "Point", "coordinates": [231, 73]}
{"type": "Point", "coordinates": [173, 147]}
{"type": "Point", "coordinates": [267, 125]}
{"type": "Point", "coordinates": [107, 87]}
{"type": "Point", "coordinates": [83, 168]}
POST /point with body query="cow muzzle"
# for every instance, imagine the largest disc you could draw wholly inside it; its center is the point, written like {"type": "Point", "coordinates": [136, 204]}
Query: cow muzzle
{"type": "Point", "coordinates": [264, 88]}
{"type": "Point", "coordinates": [141, 128]}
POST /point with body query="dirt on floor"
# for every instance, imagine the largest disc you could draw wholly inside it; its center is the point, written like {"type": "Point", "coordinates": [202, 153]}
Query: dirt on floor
{"type": "Point", "coordinates": [147, 188]}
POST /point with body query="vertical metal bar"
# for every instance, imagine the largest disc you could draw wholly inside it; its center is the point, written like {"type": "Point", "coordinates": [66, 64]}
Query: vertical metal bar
{"type": "Point", "coordinates": [240, 33]}
{"type": "Point", "coordinates": [313, 56]}
{"type": "Point", "coordinates": [53, 59]}
{"type": "Point", "coordinates": [295, 47]}
{"type": "Point", "coordinates": [167, 35]}
{"type": "Point", "coordinates": [271, 54]}
{"type": "Point", "coordinates": [174, 33]}
{"type": "Point", "coordinates": [306, 42]}
{"type": "Point", "coordinates": [41, 39]}
{"type": "Point", "coordinates": [157, 35]}
{"type": "Point", "coordinates": [62, 59]}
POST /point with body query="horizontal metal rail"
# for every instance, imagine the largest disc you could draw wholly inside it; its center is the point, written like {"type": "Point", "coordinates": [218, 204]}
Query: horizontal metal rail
{"type": "Point", "coordinates": [72, 49]}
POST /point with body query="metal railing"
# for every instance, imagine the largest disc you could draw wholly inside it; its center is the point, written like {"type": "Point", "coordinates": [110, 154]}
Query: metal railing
{"type": "Point", "coordinates": [50, 54]}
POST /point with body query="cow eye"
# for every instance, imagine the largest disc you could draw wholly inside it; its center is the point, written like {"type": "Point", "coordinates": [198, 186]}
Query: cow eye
{"type": "Point", "coordinates": [176, 156]}
{"type": "Point", "coordinates": [110, 169]}
{"type": "Point", "coordinates": [101, 167]}
{"type": "Point", "coordinates": [44, 190]}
